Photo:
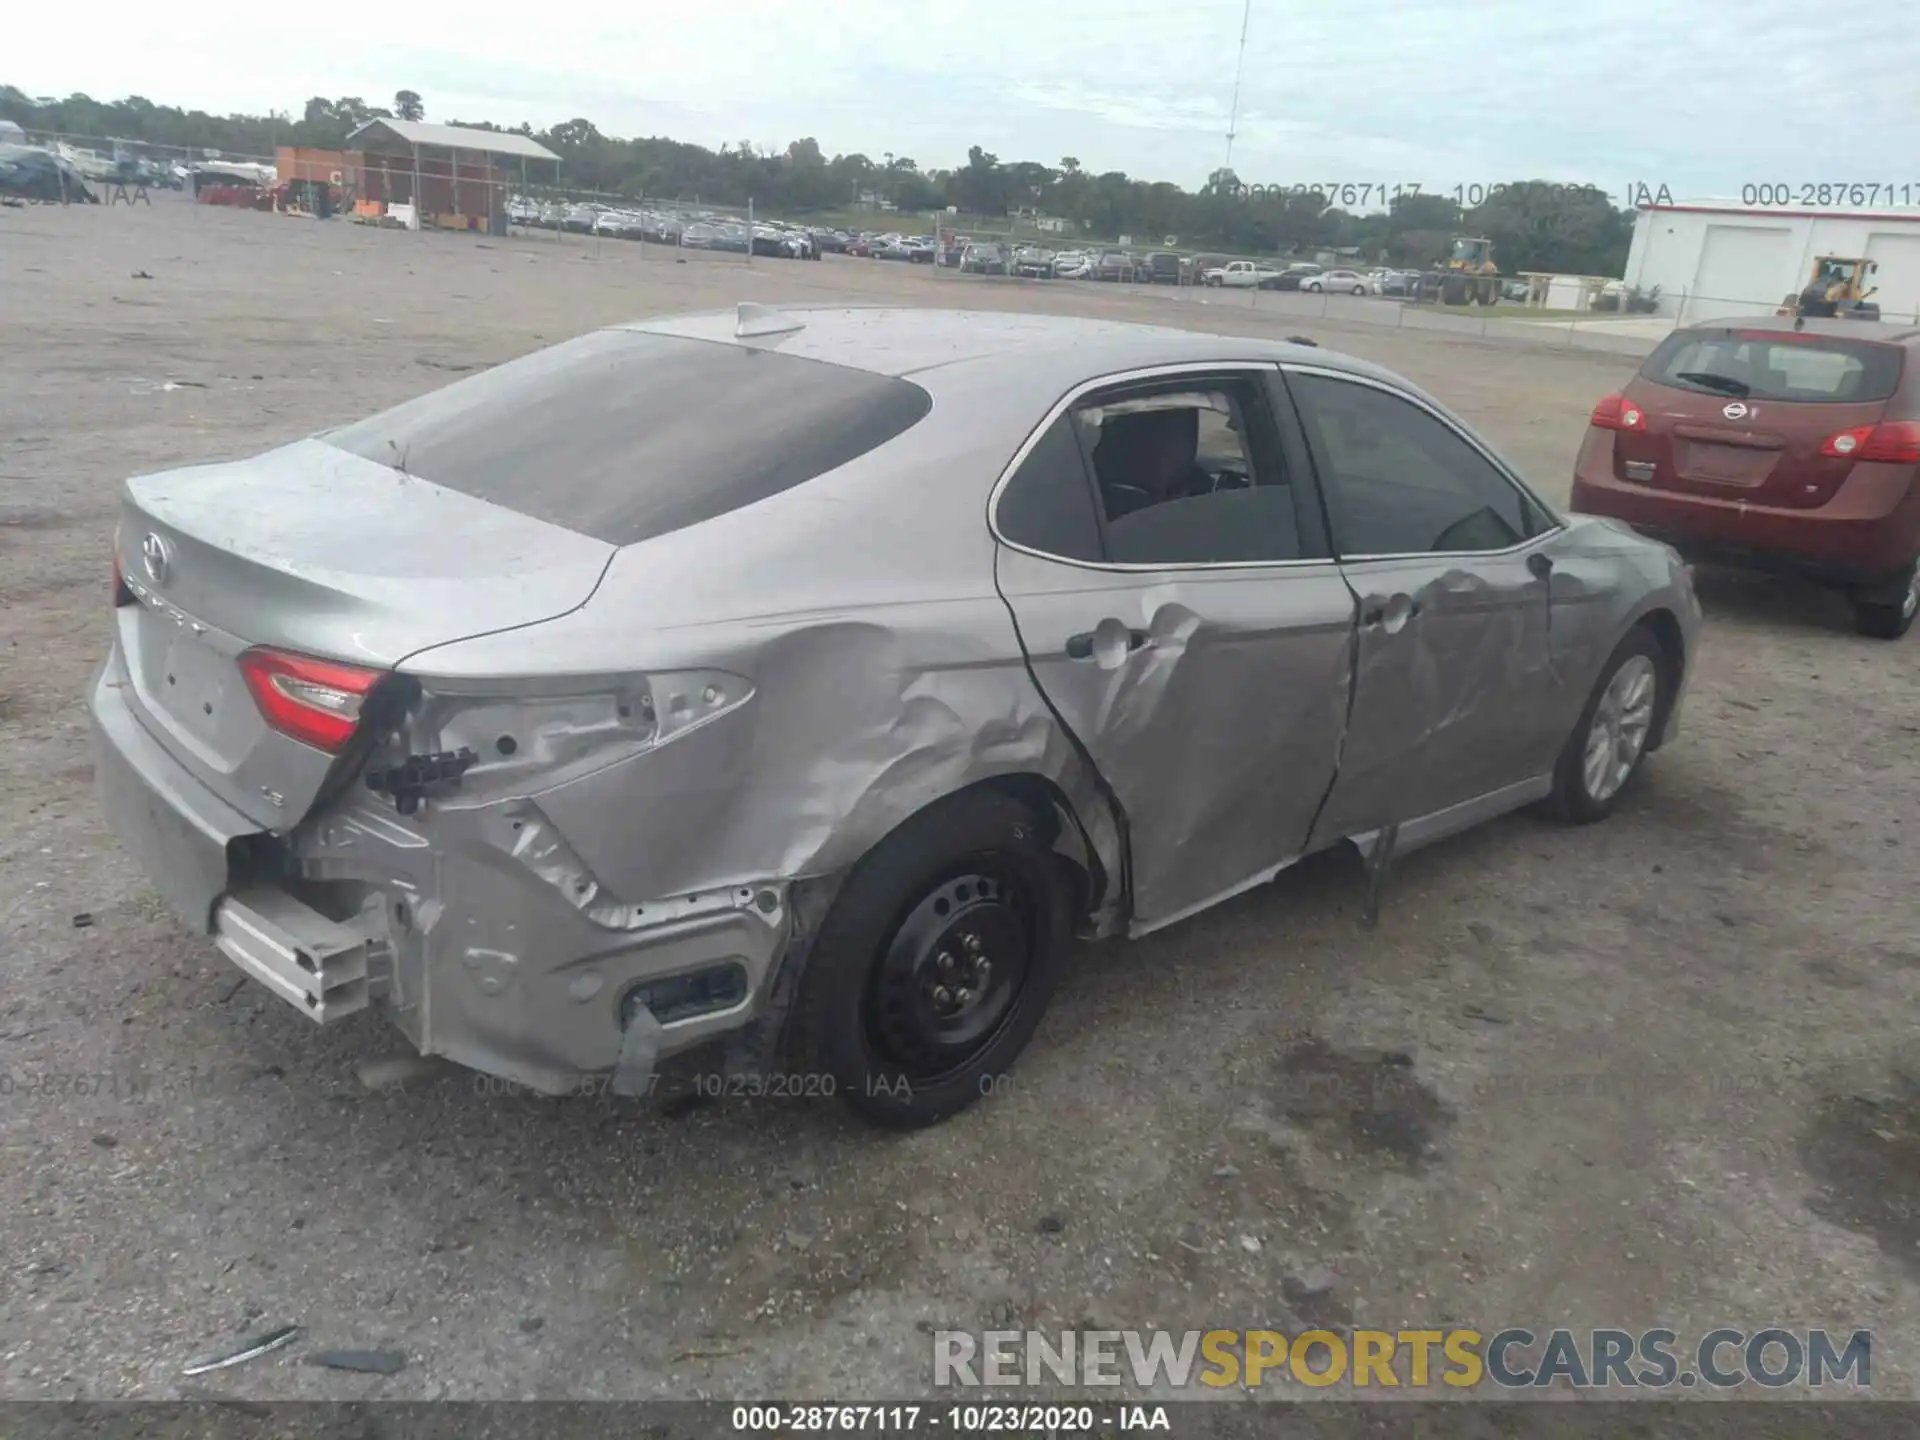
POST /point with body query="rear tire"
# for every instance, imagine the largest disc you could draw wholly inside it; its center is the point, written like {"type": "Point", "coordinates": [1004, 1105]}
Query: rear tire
{"type": "Point", "coordinates": [1891, 617]}
{"type": "Point", "coordinates": [1604, 754]}
{"type": "Point", "coordinates": [896, 1004]}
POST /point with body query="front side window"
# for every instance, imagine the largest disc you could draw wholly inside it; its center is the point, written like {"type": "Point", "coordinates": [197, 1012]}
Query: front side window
{"type": "Point", "coordinates": [1398, 481]}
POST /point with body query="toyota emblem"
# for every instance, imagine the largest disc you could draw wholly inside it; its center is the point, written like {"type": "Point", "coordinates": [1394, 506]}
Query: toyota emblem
{"type": "Point", "coordinates": [1735, 411]}
{"type": "Point", "coordinates": [154, 557]}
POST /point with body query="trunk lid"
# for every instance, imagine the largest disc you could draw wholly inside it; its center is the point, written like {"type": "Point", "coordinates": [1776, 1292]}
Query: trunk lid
{"type": "Point", "coordinates": [321, 552]}
{"type": "Point", "coordinates": [1743, 414]}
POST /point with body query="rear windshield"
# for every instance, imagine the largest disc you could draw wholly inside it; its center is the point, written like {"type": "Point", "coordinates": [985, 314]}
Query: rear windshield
{"type": "Point", "coordinates": [1791, 366]}
{"type": "Point", "coordinates": [623, 436]}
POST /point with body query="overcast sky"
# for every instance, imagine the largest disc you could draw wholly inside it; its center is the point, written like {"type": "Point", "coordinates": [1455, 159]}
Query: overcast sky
{"type": "Point", "coordinates": [1701, 95]}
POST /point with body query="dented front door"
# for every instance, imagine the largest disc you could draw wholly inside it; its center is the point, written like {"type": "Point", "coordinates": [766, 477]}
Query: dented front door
{"type": "Point", "coordinates": [1452, 687]}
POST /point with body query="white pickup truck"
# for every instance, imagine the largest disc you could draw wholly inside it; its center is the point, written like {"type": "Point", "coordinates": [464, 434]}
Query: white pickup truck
{"type": "Point", "coordinates": [1242, 275]}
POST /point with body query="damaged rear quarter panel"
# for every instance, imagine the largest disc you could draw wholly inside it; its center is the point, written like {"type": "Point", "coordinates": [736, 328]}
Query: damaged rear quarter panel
{"type": "Point", "coordinates": [885, 673]}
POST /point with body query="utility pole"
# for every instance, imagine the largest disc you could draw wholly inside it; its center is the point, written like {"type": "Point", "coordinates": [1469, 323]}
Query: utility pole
{"type": "Point", "coordinates": [1239, 66]}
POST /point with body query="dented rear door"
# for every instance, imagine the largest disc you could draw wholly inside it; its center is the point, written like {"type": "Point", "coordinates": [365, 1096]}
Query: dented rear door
{"type": "Point", "coordinates": [1211, 696]}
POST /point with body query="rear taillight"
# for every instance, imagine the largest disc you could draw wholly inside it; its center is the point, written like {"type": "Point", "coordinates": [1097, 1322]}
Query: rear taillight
{"type": "Point", "coordinates": [121, 594]}
{"type": "Point", "coordinates": [1895, 442]}
{"type": "Point", "coordinates": [1616, 412]}
{"type": "Point", "coordinates": [315, 701]}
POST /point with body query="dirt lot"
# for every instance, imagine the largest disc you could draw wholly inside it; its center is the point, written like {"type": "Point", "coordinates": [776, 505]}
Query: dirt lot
{"type": "Point", "coordinates": [1658, 1070]}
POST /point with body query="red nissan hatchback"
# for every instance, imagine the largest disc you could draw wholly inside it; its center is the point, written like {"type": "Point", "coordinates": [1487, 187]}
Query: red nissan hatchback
{"type": "Point", "coordinates": [1775, 443]}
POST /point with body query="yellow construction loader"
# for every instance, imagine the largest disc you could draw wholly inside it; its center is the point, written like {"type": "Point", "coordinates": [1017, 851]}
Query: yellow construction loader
{"type": "Point", "coordinates": [1838, 287]}
{"type": "Point", "coordinates": [1469, 274]}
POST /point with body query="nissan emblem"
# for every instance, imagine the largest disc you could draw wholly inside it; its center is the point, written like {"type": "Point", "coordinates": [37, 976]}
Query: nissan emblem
{"type": "Point", "coordinates": [1736, 410]}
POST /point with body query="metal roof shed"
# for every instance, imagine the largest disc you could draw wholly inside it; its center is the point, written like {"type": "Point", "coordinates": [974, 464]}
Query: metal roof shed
{"type": "Point", "coordinates": [434, 164]}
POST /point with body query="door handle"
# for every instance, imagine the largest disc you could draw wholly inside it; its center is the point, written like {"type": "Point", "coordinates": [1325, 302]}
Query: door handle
{"type": "Point", "coordinates": [1080, 647]}
{"type": "Point", "coordinates": [1540, 565]}
{"type": "Point", "coordinates": [1374, 611]}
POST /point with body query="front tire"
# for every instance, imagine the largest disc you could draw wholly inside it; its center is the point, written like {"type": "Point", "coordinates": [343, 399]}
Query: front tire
{"type": "Point", "coordinates": [936, 962]}
{"type": "Point", "coordinates": [1604, 754]}
{"type": "Point", "coordinates": [1888, 614]}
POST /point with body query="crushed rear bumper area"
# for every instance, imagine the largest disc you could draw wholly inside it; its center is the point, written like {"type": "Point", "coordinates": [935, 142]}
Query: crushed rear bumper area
{"type": "Point", "coordinates": [317, 965]}
{"type": "Point", "coordinates": [473, 925]}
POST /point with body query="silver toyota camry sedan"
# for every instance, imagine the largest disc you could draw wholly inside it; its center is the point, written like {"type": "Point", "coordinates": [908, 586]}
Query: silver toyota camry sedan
{"type": "Point", "coordinates": [812, 679]}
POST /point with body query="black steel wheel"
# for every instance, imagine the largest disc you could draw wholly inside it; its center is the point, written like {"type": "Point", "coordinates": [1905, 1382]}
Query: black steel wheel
{"type": "Point", "coordinates": [953, 975]}
{"type": "Point", "coordinates": [936, 961]}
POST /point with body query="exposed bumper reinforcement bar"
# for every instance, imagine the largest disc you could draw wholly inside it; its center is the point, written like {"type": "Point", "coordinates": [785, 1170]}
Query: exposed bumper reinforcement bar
{"type": "Point", "coordinates": [317, 965]}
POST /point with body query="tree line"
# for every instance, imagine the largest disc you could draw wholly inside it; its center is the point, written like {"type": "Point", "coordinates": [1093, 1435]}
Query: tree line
{"type": "Point", "coordinates": [1534, 225]}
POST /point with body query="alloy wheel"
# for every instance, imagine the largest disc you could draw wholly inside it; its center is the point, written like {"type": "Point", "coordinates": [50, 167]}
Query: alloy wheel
{"type": "Point", "coordinates": [1617, 735]}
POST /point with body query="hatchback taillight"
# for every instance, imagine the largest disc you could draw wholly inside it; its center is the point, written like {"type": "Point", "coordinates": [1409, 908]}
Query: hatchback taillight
{"type": "Point", "coordinates": [315, 701]}
{"type": "Point", "coordinates": [1894, 442]}
{"type": "Point", "coordinates": [1616, 412]}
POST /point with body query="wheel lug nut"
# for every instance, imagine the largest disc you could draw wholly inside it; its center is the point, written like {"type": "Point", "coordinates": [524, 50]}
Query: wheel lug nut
{"type": "Point", "coordinates": [944, 961]}
{"type": "Point", "coordinates": [972, 942]}
{"type": "Point", "coordinates": [984, 968]}
{"type": "Point", "coordinates": [941, 995]}
{"type": "Point", "coordinates": [963, 994]}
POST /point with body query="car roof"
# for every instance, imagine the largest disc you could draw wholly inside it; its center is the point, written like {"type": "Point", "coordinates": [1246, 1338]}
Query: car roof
{"type": "Point", "coordinates": [910, 342]}
{"type": "Point", "coordinates": [1869, 330]}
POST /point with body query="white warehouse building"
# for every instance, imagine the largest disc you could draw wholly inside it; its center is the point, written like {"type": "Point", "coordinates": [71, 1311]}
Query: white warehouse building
{"type": "Point", "coordinates": [1715, 258]}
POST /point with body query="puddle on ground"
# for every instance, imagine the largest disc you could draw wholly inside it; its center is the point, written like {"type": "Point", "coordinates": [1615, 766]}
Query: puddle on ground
{"type": "Point", "coordinates": [1369, 1099]}
{"type": "Point", "coordinates": [1863, 1150]}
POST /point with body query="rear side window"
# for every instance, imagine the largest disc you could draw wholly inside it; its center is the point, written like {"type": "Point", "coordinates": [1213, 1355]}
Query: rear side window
{"type": "Point", "coordinates": [1758, 365]}
{"type": "Point", "coordinates": [623, 435]}
{"type": "Point", "coordinates": [1048, 504]}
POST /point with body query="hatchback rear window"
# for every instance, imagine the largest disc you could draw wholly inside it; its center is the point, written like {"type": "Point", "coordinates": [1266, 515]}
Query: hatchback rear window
{"type": "Point", "coordinates": [623, 435]}
{"type": "Point", "coordinates": [1793, 367]}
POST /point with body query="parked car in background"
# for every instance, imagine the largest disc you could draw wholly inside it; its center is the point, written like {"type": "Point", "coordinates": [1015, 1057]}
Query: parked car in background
{"type": "Point", "coordinates": [1033, 262]}
{"type": "Point", "coordinates": [1338, 282]}
{"type": "Point", "coordinates": [1073, 265]}
{"type": "Point", "coordinates": [861, 245]}
{"type": "Point", "coordinates": [984, 259]}
{"type": "Point", "coordinates": [1162, 267]}
{"type": "Point", "coordinates": [1296, 275]}
{"type": "Point", "coordinates": [1115, 265]}
{"type": "Point", "coordinates": [1205, 605]}
{"type": "Point", "coordinates": [921, 249]}
{"type": "Point", "coordinates": [1242, 275]}
{"type": "Point", "coordinates": [893, 247]}
{"type": "Point", "coordinates": [1400, 282]}
{"type": "Point", "coordinates": [1774, 443]}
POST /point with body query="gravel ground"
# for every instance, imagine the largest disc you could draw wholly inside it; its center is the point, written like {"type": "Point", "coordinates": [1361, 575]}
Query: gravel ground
{"type": "Point", "coordinates": [1653, 1072]}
